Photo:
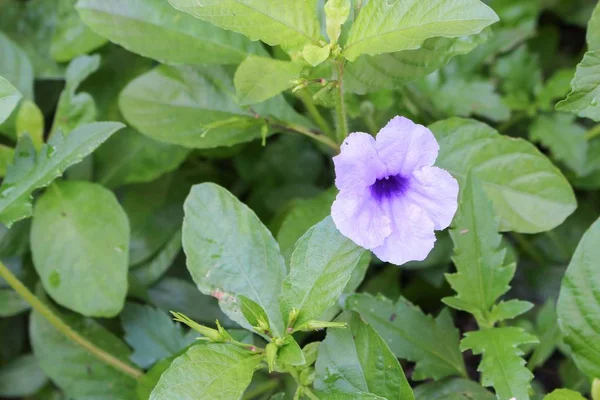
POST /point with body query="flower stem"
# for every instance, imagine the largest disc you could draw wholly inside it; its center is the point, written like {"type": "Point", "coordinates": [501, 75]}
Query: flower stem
{"type": "Point", "coordinates": [340, 106]}
{"type": "Point", "coordinates": [315, 114]}
{"type": "Point", "coordinates": [294, 128]}
{"type": "Point", "coordinates": [65, 329]}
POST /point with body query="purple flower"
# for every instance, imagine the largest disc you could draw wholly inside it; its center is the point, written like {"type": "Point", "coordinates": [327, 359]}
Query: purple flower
{"type": "Point", "coordinates": [391, 196]}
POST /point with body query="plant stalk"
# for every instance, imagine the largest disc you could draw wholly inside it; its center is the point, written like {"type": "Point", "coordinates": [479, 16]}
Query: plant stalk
{"type": "Point", "coordinates": [340, 106]}
{"type": "Point", "coordinates": [63, 328]}
{"type": "Point", "coordinates": [315, 114]}
{"type": "Point", "coordinates": [294, 128]}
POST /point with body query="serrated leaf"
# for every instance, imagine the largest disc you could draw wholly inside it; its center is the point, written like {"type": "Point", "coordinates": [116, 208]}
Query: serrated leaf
{"type": "Point", "coordinates": [21, 377]}
{"type": "Point", "coordinates": [15, 67]}
{"type": "Point", "coordinates": [393, 70]}
{"type": "Point", "coordinates": [156, 30]}
{"type": "Point", "coordinates": [564, 394]}
{"type": "Point", "coordinates": [9, 98]}
{"type": "Point", "coordinates": [482, 275]}
{"type": "Point", "coordinates": [452, 389]}
{"type": "Point", "coordinates": [508, 310]}
{"type": "Point", "coordinates": [385, 27]}
{"type": "Point", "coordinates": [31, 171]}
{"type": "Point", "coordinates": [259, 78]}
{"type": "Point", "coordinates": [193, 376]}
{"type": "Point", "coordinates": [152, 334]}
{"type": "Point", "coordinates": [531, 195]}
{"type": "Point", "coordinates": [321, 267]}
{"type": "Point", "coordinates": [356, 363]}
{"type": "Point", "coordinates": [62, 359]}
{"type": "Point", "coordinates": [189, 106]}
{"type": "Point", "coordinates": [413, 335]}
{"type": "Point", "coordinates": [579, 304]}
{"type": "Point", "coordinates": [230, 253]}
{"type": "Point", "coordinates": [84, 268]}
{"type": "Point", "coordinates": [72, 37]}
{"type": "Point", "coordinates": [501, 365]}
{"type": "Point", "coordinates": [288, 23]}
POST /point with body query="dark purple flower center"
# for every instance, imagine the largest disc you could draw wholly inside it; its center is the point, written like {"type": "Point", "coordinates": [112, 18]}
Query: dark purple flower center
{"type": "Point", "coordinates": [390, 186]}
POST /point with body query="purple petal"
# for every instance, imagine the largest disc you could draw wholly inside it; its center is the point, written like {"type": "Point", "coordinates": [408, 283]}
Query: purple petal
{"type": "Point", "coordinates": [435, 191]}
{"type": "Point", "coordinates": [405, 146]}
{"type": "Point", "coordinates": [358, 165]}
{"type": "Point", "coordinates": [412, 236]}
{"type": "Point", "coordinates": [359, 217]}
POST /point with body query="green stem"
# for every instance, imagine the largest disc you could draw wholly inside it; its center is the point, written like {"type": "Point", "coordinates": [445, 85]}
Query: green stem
{"type": "Point", "coordinates": [371, 125]}
{"type": "Point", "coordinates": [593, 133]}
{"type": "Point", "coordinates": [596, 389]}
{"type": "Point", "coordinates": [65, 329]}
{"type": "Point", "coordinates": [315, 114]}
{"type": "Point", "coordinates": [294, 128]}
{"type": "Point", "coordinates": [308, 393]}
{"type": "Point", "coordinates": [340, 106]}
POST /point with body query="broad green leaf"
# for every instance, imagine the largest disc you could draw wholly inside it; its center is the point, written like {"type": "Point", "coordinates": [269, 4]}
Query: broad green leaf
{"type": "Point", "coordinates": [546, 329]}
{"type": "Point", "coordinates": [21, 377]}
{"type": "Point", "coordinates": [530, 195]}
{"type": "Point", "coordinates": [72, 37]}
{"type": "Point", "coordinates": [73, 108]}
{"type": "Point", "coordinates": [31, 171]}
{"type": "Point", "coordinates": [501, 365]}
{"type": "Point", "coordinates": [11, 303]}
{"type": "Point", "coordinates": [208, 372]}
{"type": "Point", "coordinates": [252, 311]}
{"type": "Point", "coordinates": [74, 369]}
{"type": "Point", "coordinates": [579, 304]}
{"type": "Point", "coordinates": [452, 389]}
{"type": "Point", "coordinates": [304, 214]}
{"type": "Point", "coordinates": [585, 88]}
{"type": "Point", "coordinates": [189, 106]}
{"type": "Point", "coordinates": [230, 253]}
{"type": "Point", "coordinates": [30, 120]}
{"type": "Point", "coordinates": [15, 66]}
{"type": "Point", "coordinates": [9, 98]}
{"type": "Point", "coordinates": [356, 363]}
{"type": "Point", "coordinates": [393, 70]}
{"type": "Point", "coordinates": [337, 13]}
{"type": "Point", "coordinates": [481, 275]}
{"type": "Point", "coordinates": [321, 267]}
{"type": "Point", "coordinates": [289, 23]}
{"type": "Point", "coordinates": [290, 353]}
{"type": "Point", "coordinates": [156, 30]}
{"type": "Point", "coordinates": [152, 334]}
{"type": "Point", "coordinates": [385, 27]}
{"type": "Point", "coordinates": [564, 137]}
{"type": "Point", "coordinates": [84, 266]}
{"type": "Point", "coordinates": [564, 394]}
{"type": "Point", "coordinates": [131, 157]}
{"type": "Point", "coordinates": [259, 78]}
{"type": "Point", "coordinates": [413, 335]}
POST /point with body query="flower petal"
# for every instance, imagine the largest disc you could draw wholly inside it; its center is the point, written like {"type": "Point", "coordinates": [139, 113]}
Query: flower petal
{"type": "Point", "coordinates": [435, 191]}
{"type": "Point", "coordinates": [358, 165]}
{"type": "Point", "coordinates": [359, 217]}
{"type": "Point", "coordinates": [405, 146]}
{"type": "Point", "coordinates": [412, 236]}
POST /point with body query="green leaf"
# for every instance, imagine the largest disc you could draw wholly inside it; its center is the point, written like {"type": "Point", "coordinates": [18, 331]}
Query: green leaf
{"type": "Point", "coordinates": [195, 375]}
{"type": "Point", "coordinates": [393, 70]}
{"type": "Point", "coordinates": [30, 120]}
{"type": "Point", "coordinates": [413, 335]}
{"type": "Point", "coordinates": [452, 389]}
{"type": "Point", "coordinates": [481, 274]}
{"type": "Point", "coordinates": [21, 377]}
{"type": "Point", "coordinates": [579, 304]}
{"type": "Point", "coordinates": [144, 275]}
{"type": "Point", "coordinates": [585, 88]}
{"type": "Point", "coordinates": [288, 23]}
{"type": "Point", "coordinates": [315, 55]}
{"type": "Point", "coordinates": [156, 30]}
{"type": "Point", "coordinates": [304, 214]}
{"type": "Point", "coordinates": [564, 394]}
{"type": "Point", "coordinates": [564, 137]}
{"type": "Point", "coordinates": [74, 369]}
{"type": "Point", "coordinates": [9, 98]}
{"type": "Point", "coordinates": [189, 106]}
{"type": "Point", "coordinates": [73, 108]}
{"type": "Point", "coordinates": [530, 195]}
{"type": "Point", "coordinates": [152, 334]}
{"type": "Point", "coordinates": [72, 37]}
{"type": "Point", "coordinates": [258, 78]}
{"type": "Point", "coordinates": [385, 27]}
{"type": "Point", "coordinates": [31, 171]}
{"type": "Point", "coordinates": [290, 353]}
{"type": "Point", "coordinates": [508, 310]}
{"type": "Point", "coordinates": [11, 303]}
{"type": "Point", "coordinates": [231, 253]}
{"type": "Point", "coordinates": [7, 154]}
{"type": "Point", "coordinates": [521, 77]}
{"type": "Point", "coordinates": [501, 365]}
{"type": "Point", "coordinates": [321, 267]}
{"type": "Point", "coordinates": [555, 88]}
{"type": "Point", "coordinates": [356, 363]}
{"type": "Point", "coordinates": [131, 157]}
{"type": "Point", "coordinates": [337, 13]}
{"type": "Point", "coordinates": [252, 311]}
{"type": "Point", "coordinates": [80, 245]}
{"type": "Point", "coordinates": [16, 67]}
